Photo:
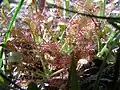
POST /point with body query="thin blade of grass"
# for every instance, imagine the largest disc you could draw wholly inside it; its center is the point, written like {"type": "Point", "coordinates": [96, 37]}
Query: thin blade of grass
{"type": "Point", "coordinates": [103, 9]}
{"type": "Point", "coordinates": [9, 29]}
{"type": "Point", "coordinates": [66, 6]}
{"type": "Point", "coordinates": [73, 77]}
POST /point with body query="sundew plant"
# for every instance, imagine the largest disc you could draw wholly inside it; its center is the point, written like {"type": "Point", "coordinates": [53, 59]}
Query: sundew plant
{"type": "Point", "coordinates": [59, 45]}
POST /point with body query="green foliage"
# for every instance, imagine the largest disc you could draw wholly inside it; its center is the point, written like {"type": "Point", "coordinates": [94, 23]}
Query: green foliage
{"type": "Point", "coordinates": [66, 48]}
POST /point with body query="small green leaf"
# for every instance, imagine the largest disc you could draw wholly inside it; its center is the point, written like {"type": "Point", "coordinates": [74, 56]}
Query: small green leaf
{"type": "Point", "coordinates": [107, 29]}
{"type": "Point", "coordinates": [67, 48]}
{"type": "Point", "coordinates": [62, 26]}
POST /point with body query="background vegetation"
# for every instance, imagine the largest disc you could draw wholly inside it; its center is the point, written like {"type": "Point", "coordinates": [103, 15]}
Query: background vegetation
{"type": "Point", "coordinates": [60, 45]}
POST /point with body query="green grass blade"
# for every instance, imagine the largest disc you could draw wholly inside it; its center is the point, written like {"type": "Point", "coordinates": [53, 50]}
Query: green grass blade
{"type": "Point", "coordinates": [12, 21]}
{"type": "Point", "coordinates": [1, 54]}
{"type": "Point", "coordinates": [73, 77]}
{"type": "Point", "coordinates": [66, 6]}
{"type": "Point", "coordinates": [102, 13]}
{"type": "Point", "coordinates": [9, 28]}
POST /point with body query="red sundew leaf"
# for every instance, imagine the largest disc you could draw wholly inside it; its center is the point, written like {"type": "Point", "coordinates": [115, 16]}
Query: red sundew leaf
{"type": "Point", "coordinates": [62, 61]}
{"type": "Point", "coordinates": [42, 5]}
{"type": "Point", "coordinates": [38, 17]}
{"type": "Point", "coordinates": [52, 48]}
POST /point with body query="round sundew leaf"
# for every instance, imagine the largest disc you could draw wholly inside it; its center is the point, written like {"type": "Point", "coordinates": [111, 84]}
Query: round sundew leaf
{"type": "Point", "coordinates": [33, 25]}
{"type": "Point", "coordinates": [27, 20]}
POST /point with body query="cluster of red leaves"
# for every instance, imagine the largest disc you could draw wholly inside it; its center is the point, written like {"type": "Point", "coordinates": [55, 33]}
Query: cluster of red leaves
{"type": "Point", "coordinates": [83, 31]}
{"type": "Point", "coordinates": [57, 59]}
{"type": "Point", "coordinates": [52, 48]}
{"type": "Point", "coordinates": [80, 34]}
